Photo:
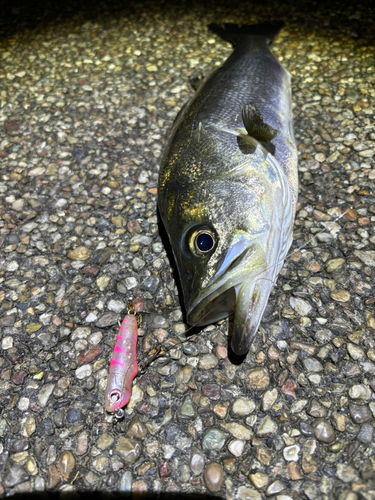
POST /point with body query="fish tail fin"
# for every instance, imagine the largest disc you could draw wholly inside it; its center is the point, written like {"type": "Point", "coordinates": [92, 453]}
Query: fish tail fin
{"type": "Point", "coordinates": [236, 34]}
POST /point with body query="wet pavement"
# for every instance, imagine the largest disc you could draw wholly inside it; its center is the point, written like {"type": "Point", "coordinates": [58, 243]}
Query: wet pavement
{"type": "Point", "coordinates": [88, 93]}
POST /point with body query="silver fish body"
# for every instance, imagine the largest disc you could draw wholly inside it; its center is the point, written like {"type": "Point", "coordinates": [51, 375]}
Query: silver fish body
{"type": "Point", "coordinates": [228, 186]}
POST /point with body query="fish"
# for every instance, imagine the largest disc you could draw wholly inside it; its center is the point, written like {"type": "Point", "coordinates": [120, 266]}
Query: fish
{"type": "Point", "coordinates": [123, 367]}
{"type": "Point", "coordinates": [228, 185]}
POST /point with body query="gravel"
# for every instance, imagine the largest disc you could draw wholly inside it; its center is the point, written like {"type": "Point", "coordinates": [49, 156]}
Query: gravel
{"type": "Point", "coordinates": [88, 94]}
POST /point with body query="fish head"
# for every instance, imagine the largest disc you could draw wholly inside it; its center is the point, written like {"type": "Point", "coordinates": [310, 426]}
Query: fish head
{"type": "Point", "coordinates": [229, 236]}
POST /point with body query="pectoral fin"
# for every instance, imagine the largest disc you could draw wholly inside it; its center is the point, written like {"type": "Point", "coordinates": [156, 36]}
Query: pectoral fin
{"type": "Point", "coordinates": [256, 127]}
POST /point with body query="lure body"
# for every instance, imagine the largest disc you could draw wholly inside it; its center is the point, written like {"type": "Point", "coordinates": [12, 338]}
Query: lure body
{"type": "Point", "coordinates": [123, 368]}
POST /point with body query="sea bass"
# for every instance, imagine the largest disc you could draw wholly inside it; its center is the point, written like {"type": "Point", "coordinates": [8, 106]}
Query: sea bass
{"type": "Point", "coordinates": [228, 185]}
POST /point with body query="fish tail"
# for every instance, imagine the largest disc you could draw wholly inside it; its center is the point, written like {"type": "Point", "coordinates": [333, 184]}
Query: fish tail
{"type": "Point", "coordinates": [236, 34]}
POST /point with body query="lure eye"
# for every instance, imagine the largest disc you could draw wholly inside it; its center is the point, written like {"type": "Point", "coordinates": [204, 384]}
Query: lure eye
{"type": "Point", "coordinates": [203, 242]}
{"type": "Point", "coordinates": [115, 396]}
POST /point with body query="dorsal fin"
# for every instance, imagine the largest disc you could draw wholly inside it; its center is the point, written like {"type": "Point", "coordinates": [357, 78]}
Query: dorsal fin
{"type": "Point", "coordinates": [255, 125]}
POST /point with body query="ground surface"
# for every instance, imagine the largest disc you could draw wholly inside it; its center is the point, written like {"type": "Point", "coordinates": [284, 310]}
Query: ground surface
{"type": "Point", "coordinates": [88, 93]}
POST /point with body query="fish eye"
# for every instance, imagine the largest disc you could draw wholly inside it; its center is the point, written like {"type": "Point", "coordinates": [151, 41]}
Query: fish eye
{"type": "Point", "coordinates": [203, 241]}
{"type": "Point", "coordinates": [115, 396]}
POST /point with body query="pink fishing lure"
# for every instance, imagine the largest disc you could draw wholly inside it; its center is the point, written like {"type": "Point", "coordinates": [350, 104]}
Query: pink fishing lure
{"type": "Point", "coordinates": [123, 367]}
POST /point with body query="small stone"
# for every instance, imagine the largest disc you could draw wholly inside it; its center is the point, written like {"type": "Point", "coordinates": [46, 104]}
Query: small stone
{"type": "Point", "coordinates": [308, 464]}
{"type": "Point", "coordinates": [207, 362]}
{"type": "Point", "coordinates": [257, 378]}
{"type": "Point", "coordinates": [79, 253]}
{"type": "Point", "coordinates": [246, 493]}
{"type": "Point", "coordinates": [266, 427]}
{"type": "Point", "coordinates": [90, 355]}
{"type": "Point", "coordinates": [74, 416]}
{"type": "Point", "coordinates": [186, 410]}
{"type": "Point", "coordinates": [15, 475]}
{"type": "Point", "coordinates": [33, 327]}
{"type": "Point", "coordinates": [105, 441]}
{"type": "Point", "coordinates": [91, 271]}
{"type": "Point", "coordinates": [82, 443]}
{"type": "Point", "coordinates": [45, 393]}
{"type": "Point", "coordinates": [293, 471]}
{"type": "Point", "coordinates": [360, 413]}
{"type": "Point", "coordinates": [116, 305]}
{"type": "Point", "coordinates": [366, 433]}
{"type": "Point", "coordinates": [126, 482]}
{"type": "Point", "coordinates": [238, 430]}
{"type": "Point", "coordinates": [323, 430]}
{"type": "Point", "coordinates": [300, 306]}
{"type": "Point", "coordinates": [213, 477]}
{"type": "Point", "coordinates": [291, 453]}
{"type": "Point", "coordinates": [263, 455]}
{"type": "Point", "coordinates": [102, 282]}
{"type": "Point", "coordinates": [236, 447]}
{"type": "Point", "coordinates": [341, 296]}
{"type": "Point", "coordinates": [367, 257]}
{"type": "Point", "coordinates": [316, 409]}
{"type": "Point", "coordinates": [164, 469]}
{"type": "Point", "coordinates": [269, 399]}
{"type": "Point", "coordinates": [221, 409]}
{"type": "Point", "coordinates": [53, 477]}
{"type": "Point", "coordinates": [275, 488]}
{"type": "Point", "coordinates": [360, 391]}
{"type": "Point", "coordinates": [346, 473]}
{"type": "Point", "coordinates": [355, 352]}
{"type": "Point", "coordinates": [259, 479]}
{"type": "Point", "coordinates": [183, 376]}
{"type": "Point", "coordinates": [288, 388]}
{"type": "Point", "coordinates": [8, 320]}
{"type": "Point", "coordinates": [312, 365]}
{"type": "Point", "coordinates": [136, 429]}
{"type": "Point", "coordinates": [108, 319]}
{"type": "Point", "coordinates": [213, 439]}
{"type": "Point", "coordinates": [212, 391]}
{"type": "Point", "coordinates": [334, 265]}
{"type": "Point", "coordinates": [83, 371]}
{"type": "Point", "coordinates": [101, 464]}
{"type": "Point", "coordinates": [66, 464]}
{"type": "Point", "coordinates": [243, 406]}
{"type": "Point", "coordinates": [128, 449]}
{"type": "Point", "coordinates": [196, 461]}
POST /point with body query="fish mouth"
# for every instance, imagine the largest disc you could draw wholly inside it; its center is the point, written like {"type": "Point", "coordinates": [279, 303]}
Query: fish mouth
{"type": "Point", "coordinates": [241, 289]}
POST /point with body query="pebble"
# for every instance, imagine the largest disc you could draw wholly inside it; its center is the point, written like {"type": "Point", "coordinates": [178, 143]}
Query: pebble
{"type": "Point", "coordinates": [259, 479]}
{"type": "Point", "coordinates": [300, 306]}
{"type": "Point", "coordinates": [243, 406]}
{"type": "Point", "coordinates": [66, 464]}
{"type": "Point", "coordinates": [275, 488]}
{"type": "Point", "coordinates": [15, 475]}
{"type": "Point", "coordinates": [105, 441]}
{"type": "Point", "coordinates": [82, 443]}
{"type": "Point", "coordinates": [213, 439]}
{"type": "Point", "coordinates": [366, 434]}
{"type": "Point", "coordinates": [291, 453]}
{"type": "Point", "coordinates": [128, 449]}
{"type": "Point", "coordinates": [360, 391]}
{"type": "Point", "coordinates": [238, 430]}
{"type": "Point", "coordinates": [213, 477]}
{"type": "Point", "coordinates": [269, 399]}
{"type": "Point", "coordinates": [184, 374]}
{"type": "Point", "coordinates": [164, 469]}
{"type": "Point", "coordinates": [341, 296]}
{"type": "Point", "coordinates": [137, 429]}
{"type": "Point", "coordinates": [266, 427]}
{"type": "Point", "coordinates": [236, 447]}
{"type": "Point", "coordinates": [257, 378]}
{"type": "Point", "coordinates": [355, 352]}
{"type": "Point", "coordinates": [197, 461]}
{"type": "Point", "coordinates": [83, 371]}
{"type": "Point", "coordinates": [334, 265]}
{"type": "Point", "coordinates": [107, 319]}
{"type": "Point", "coordinates": [323, 430]}
{"type": "Point", "coordinates": [360, 413]}
{"type": "Point", "coordinates": [312, 365]}
{"type": "Point", "coordinates": [45, 394]}
{"type": "Point", "coordinates": [79, 253]}
{"type": "Point", "coordinates": [246, 493]}
{"type": "Point", "coordinates": [207, 362]}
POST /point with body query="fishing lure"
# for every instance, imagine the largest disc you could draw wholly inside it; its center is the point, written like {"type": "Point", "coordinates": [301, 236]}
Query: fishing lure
{"type": "Point", "coordinates": [123, 368]}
